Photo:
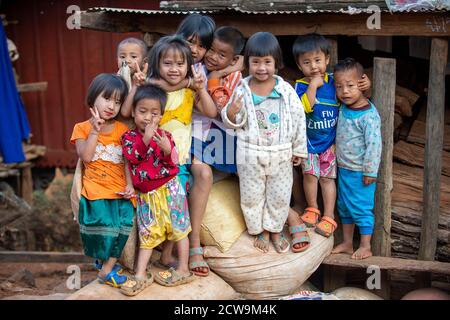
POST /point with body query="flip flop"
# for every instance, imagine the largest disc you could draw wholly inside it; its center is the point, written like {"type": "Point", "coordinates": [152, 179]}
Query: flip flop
{"type": "Point", "coordinates": [171, 278]}
{"type": "Point", "coordinates": [278, 244]}
{"type": "Point", "coordinates": [113, 279]}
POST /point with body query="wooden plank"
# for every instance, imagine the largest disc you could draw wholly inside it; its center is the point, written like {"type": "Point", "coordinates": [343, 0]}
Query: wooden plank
{"type": "Point", "coordinates": [388, 263]}
{"type": "Point", "coordinates": [34, 256]}
{"type": "Point", "coordinates": [271, 5]}
{"type": "Point", "coordinates": [413, 155]}
{"type": "Point", "coordinates": [417, 134]}
{"type": "Point", "coordinates": [384, 81]}
{"type": "Point", "coordinates": [433, 149]}
{"type": "Point", "coordinates": [32, 87]}
{"type": "Point", "coordinates": [26, 185]}
{"type": "Point", "coordinates": [334, 277]}
{"type": "Point", "coordinates": [385, 285]}
{"type": "Point", "coordinates": [417, 24]}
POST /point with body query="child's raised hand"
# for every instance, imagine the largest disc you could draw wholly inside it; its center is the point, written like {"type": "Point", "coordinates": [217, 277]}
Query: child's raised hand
{"type": "Point", "coordinates": [163, 142]}
{"type": "Point", "coordinates": [236, 104]}
{"type": "Point", "coordinates": [316, 81]}
{"type": "Point", "coordinates": [199, 80]}
{"type": "Point", "coordinates": [96, 122]}
{"type": "Point", "coordinates": [364, 84]}
{"type": "Point", "coordinates": [296, 161]}
{"type": "Point", "coordinates": [150, 129]}
{"type": "Point", "coordinates": [368, 180]}
{"type": "Point", "coordinates": [139, 77]}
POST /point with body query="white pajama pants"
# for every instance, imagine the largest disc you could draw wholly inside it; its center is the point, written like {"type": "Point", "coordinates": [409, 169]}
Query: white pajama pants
{"type": "Point", "coordinates": [265, 179]}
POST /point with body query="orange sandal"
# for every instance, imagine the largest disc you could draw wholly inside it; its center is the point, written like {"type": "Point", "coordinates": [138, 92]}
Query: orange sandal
{"type": "Point", "coordinates": [311, 216]}
{"type": "Point", "coordinates": [326, 226]}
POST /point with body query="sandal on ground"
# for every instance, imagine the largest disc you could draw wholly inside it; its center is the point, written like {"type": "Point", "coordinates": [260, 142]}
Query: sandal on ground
{"type": "Point", "coordinates": [98, 265]}
{"type": "Point", "coordinates": [171, 278]}
{"type": "Point", "coordinates": [299, 239]}
{"type": "Point", "coordinates": [326, 226]}
{"type": "Point", "coordinates": [311, 216]}
{"type": "Point", "coordinates": [136, 285]}
{"type": "Point", "coordinates": [114, 279]}
{"type": "Point", "coordinates": [278, 245]}
{"type": "Point", "coordinates": [200, 264]}
{"type": "Point", "coordinates": [159, 264]}
{"type": "Point", "coordinates": [260, 237]}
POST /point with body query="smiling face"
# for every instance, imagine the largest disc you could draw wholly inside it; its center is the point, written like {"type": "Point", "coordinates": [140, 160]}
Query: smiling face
{"type": "Point", "coordinates": [346, 83]}
{"type": "Point", "coordinates": [130, 53]}
{"type": "Point", "coordinates": [173, 66]}
{"type": "Point", "coordinates": [261, 68]}
{"type": "Point", "coordinates": [220, 56]}
{"type": "Point", "coordinates": [197, 49]}
{"type": "Point", "coordinates": [108, 108]}
{"type": "Point", "coordinates": [313, 63]}
{"type": "Point", "coordinates": [145, 112]}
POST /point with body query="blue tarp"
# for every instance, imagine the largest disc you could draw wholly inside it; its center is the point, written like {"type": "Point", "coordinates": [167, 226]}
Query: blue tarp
{"type": "Point", "coordinates": [14, 127]}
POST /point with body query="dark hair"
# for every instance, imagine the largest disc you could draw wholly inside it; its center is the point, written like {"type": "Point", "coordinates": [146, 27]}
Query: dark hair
{"type": "Point", "coordinates": [349, 64]}
{"type": "Point", "coordinates": [163, 45]}
{"type": "Point", "coordinates": [107, 85]}
{"type": "Point", "coordinates": [151, 92]}
{"type": "Point", "coordinates": [263, 44]}
{"type": "Point", "coordinates": [231, 36]}
{"type": "Point", "coordinates": [137, 41]}
{"type": "Point", "coordinates": [200, 26]}
{"type": "Point", "coordinates": [310, 42]}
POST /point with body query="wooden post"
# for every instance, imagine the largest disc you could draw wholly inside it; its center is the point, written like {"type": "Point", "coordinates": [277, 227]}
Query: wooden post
{"type": "Point", "coordinates": [26, 184]}
{"type": "Point", "coordinates": [333, 53]}
{"type": "Point", "coordinates": [384, 80]}
{"type": "Point", "coordinates": [433, 149]}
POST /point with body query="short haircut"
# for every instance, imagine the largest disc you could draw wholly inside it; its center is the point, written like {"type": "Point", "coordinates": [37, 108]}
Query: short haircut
{"type": "Point", "coordinates": [349, 64]}
{"type": "Point", "coordinates": [263, 44]}
{"type": "Point", "coordinates": [310, 42]}
{"type": "Point", "coordinates": [107, 85]}
{"type": "Point", "coordinates": [151, 92]}
{"type": "Point", "coordinates": [200, 26]}
{"type": "Point", "coordinates": [231, 36]}
{"type": "Point", "coordinates": [175, 42]}
{"type": "Point", "coordinates": [136, 41]}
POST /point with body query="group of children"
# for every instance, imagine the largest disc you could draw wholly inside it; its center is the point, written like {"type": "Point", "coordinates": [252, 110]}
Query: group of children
{"type": "Point", "coordinates": [192, 111]}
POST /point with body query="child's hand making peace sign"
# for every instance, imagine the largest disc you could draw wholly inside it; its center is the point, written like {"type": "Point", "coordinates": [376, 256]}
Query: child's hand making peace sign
{"type": "Point", "coordinates": [199, 82]}
{"type": "Point", "coordinates": [96, 122]}
{"type": "Point", "coordinates": [235, 106]}
{"type": "Point", "coordinates": [140, 77]}
{"type": "Point", "coordinates": [163, 142]}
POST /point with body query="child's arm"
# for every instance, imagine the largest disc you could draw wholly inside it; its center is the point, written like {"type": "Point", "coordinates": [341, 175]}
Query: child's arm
{"type": "Point", "coordinates": [219, 74]}
{"type": "Point", "coordinates": [234, 115]}
{"type": "Point", "coordinates": [311, 92]}
{"type": "Point", "coordinates": [86, 148]}
{"type": "Point", "coordinates": [221, 94]}
{"type": "Point", "coordinates": [133, 148]}
{"type": "Point", "coordinates": [364, 84]}
{"type": "Point", "coordinates": [168, 87]}
{"type": "Point", "coordinates": [167, 145]}
{"type": "Point", "coordinates": [299, 145]}
{"type": "Point", "coordinates": [139, 79]}
{"type": "Point", "coordinates": [129, 189]}
{"type": "Point", "coordinates": [205, 103]}
{"type": "Point", "coordinates": [372, 156]}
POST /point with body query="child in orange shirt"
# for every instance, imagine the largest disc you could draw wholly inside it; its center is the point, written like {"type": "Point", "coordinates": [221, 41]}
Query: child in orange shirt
{"type": "Point", "coordinates": [105, 214]}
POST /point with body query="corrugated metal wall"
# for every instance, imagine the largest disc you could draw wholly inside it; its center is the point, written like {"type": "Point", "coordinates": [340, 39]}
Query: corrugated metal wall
{"type": "Point", "coordinates": [67, 59]}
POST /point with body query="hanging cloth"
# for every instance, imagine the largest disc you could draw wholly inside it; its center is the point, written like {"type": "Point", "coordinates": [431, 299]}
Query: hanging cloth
{"type": "Point", "coordinates": [14, 127]}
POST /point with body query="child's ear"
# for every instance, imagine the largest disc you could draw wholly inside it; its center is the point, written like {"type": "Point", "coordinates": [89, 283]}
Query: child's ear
{"type": "Point", "coordinates": [327, 60]}
{"type": "Point", "coordinates": [132, 112]}
{"type": "Point", "coordinates": [235, 60]}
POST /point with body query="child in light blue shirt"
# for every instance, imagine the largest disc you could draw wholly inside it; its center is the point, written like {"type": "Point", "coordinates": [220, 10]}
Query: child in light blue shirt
{"type": "Point", "coordinates": [358, 152]}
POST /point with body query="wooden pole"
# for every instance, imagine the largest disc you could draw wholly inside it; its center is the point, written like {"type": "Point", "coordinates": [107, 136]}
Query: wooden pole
{"type": "Point", "coordinates": [433, 149]}
{"type": "Point", "coordinates": [333, 53]}
{"type": "Point", "coordinates": [384, 80]}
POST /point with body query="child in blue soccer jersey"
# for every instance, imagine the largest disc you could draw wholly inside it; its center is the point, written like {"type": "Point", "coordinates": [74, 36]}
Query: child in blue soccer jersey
{"type": "Point", "coordinates": [358, 151]}
{"type": "Point", "coordinates": [318, 95]}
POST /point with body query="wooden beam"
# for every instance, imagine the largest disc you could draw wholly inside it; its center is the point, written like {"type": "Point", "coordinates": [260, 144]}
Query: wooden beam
{"type": "Point", "coordinates": [333, 278]}
{"type": "Point", "coordinates": [45, 257]}
{"type": "Point", "coordinates": [408, 24]}
{"type": "Point", "coordinates": [388, 263]}
{"type": "Point", "coordinates": [433, 149]}
{"type": "Point", "coordinates": [32, 87]}
{"type": "Point", "coordinates": [333, 53]}
{"type": "Point", "coordinates": [384, 79]}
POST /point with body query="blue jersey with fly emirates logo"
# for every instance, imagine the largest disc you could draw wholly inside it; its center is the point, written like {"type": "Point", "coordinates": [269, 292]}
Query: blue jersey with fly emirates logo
{"type": "Point", "coordinates": [321, 119]}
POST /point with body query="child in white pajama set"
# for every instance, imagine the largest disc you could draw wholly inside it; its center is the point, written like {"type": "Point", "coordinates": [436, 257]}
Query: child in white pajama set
{"type": "Point", "coordinates": [270, 130]}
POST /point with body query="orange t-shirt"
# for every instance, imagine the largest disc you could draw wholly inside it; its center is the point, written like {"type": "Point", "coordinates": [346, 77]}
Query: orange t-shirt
{"type": "Point", "coordinates": [105, 174]}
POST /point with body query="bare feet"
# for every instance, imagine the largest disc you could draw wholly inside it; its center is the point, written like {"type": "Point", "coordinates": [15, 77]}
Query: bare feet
{"type": "Point", "coordinates": [262, 242]}
{"type": "Point", "coordinates": [362, 253]}
{"type": "Point", "coordinates": [344, 247]}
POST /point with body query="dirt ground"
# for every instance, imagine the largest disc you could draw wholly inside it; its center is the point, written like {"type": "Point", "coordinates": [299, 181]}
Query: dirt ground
{"type": "Point", "coordinates": [16, 280]}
